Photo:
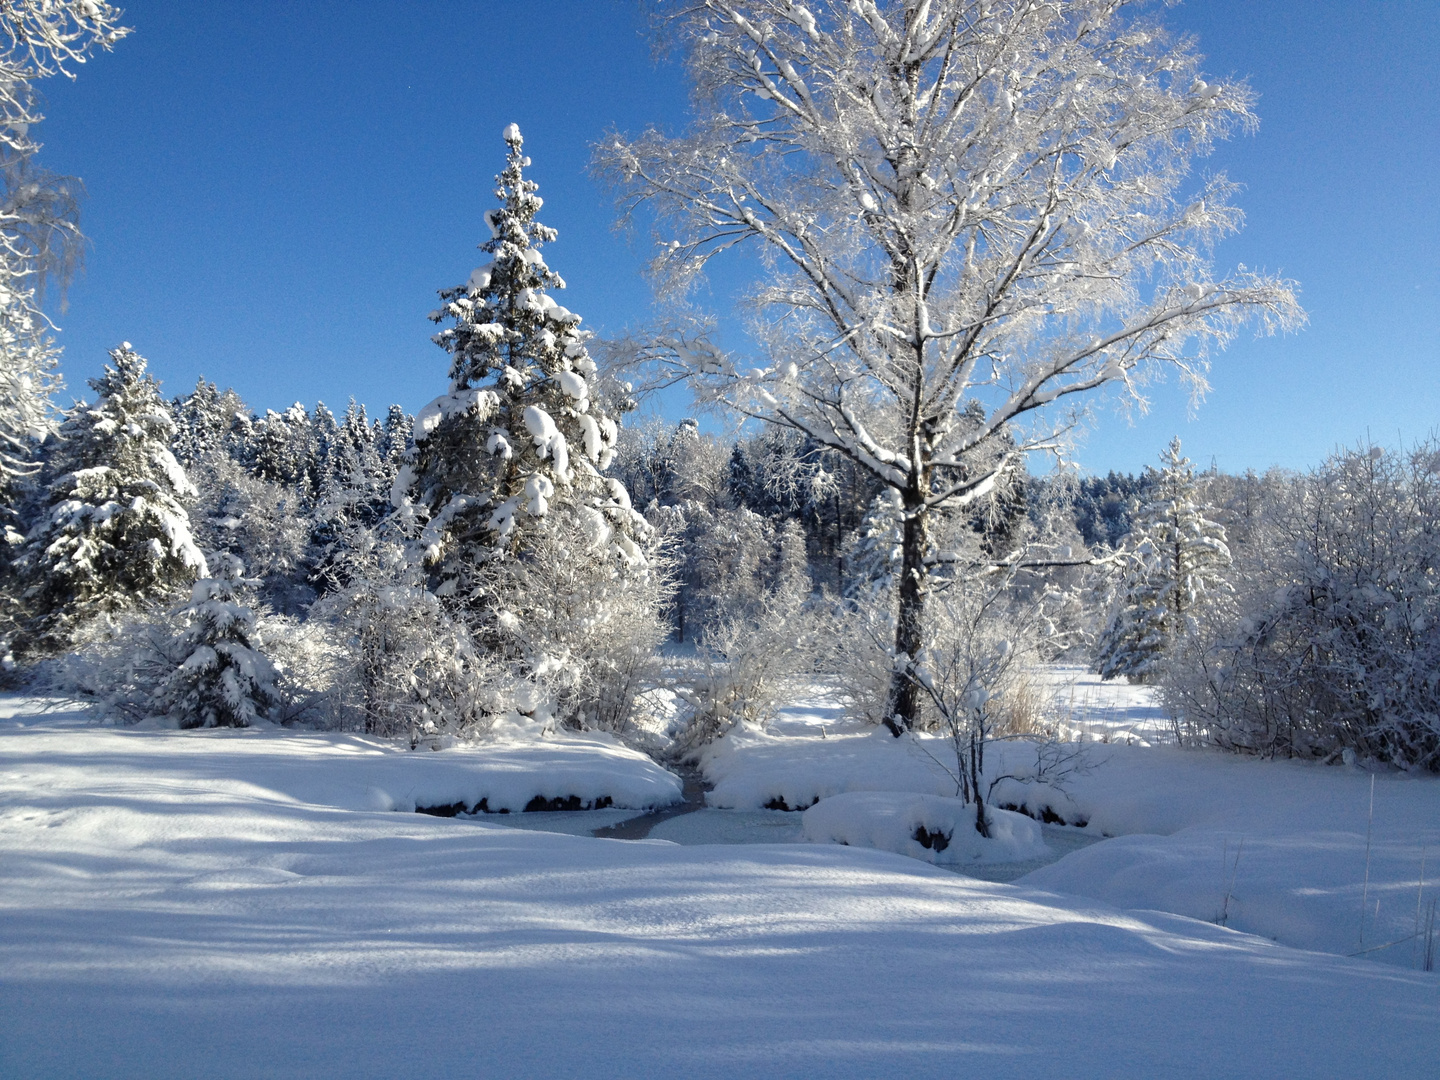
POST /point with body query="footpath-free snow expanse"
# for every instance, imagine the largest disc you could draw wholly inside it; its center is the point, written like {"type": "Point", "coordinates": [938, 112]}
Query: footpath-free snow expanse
{"type": "Point", "coordinates": [1274, 848]}
{"type": "Point", "coordinates": [224, 904]}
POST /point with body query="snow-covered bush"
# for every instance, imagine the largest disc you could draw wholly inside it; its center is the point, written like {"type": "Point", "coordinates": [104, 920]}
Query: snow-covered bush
{"type": "Point", "coordinates": [753, 658]}
{"type": "Point", "coordinates": [407, 668]}
{"type": "Point", "coordinates": [584, 628]}
{"type": "Point", "coordinates": [1334, 648]}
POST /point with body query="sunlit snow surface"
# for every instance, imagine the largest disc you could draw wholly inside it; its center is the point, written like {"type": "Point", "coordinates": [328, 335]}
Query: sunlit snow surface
{"type": "Point", "coordinates": [204, 904]}
{"type": "Point", "coordinates": [1275, 848]}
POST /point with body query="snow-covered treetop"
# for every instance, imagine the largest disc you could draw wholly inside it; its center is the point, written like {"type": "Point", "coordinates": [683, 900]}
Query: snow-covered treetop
{"type": "Point", "coordinates": [503, 317]}
{"type": "Point", "coordinates": [128, 428]}
{"type": "Point", "coordinates": [961, 199]}
{"type": "Point", "coordinates": [524, 423]}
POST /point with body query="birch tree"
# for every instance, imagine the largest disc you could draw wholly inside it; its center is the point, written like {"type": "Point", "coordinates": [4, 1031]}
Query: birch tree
{"type": "Point", "coordinates": [956, 200]}
{"type": "Point", "coordinates": [39, 231]}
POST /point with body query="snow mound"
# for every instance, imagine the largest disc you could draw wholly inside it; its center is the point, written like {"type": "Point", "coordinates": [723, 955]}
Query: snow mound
{"type": "Point", "coordinates": [929, 827]}
{"type": "Point", "coordinates": [752, 769]}
{"type": "Point", "coordinates": [578, 772]}
{"type": "Point", "coordinates": [341, 771]}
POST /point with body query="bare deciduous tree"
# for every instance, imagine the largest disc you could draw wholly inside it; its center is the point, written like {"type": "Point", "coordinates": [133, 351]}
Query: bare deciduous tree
{"type": "Point", "coordinates": [957, 200]}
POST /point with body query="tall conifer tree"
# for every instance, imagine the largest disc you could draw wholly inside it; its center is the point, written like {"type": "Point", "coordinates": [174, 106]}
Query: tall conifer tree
{"type": "Point", "coordinates": [113, 533]}
{"type": "Point", "coordinates": [523, 432]}
{"type": "Point", "coordinates": [1180, 559]}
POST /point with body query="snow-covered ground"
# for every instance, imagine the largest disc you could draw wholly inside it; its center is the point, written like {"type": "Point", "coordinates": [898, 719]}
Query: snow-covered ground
{"type": "Point", "coordinates": [1274, 848]}
{"type": "Point", "coordinates": [1085, 706]}
{"type": "Point", "coordinates": [506, 775]}
{"type": "Point", "coordinates": [234, 904]}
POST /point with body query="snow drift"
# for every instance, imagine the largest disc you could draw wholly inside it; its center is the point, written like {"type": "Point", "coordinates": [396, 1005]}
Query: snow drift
{"type": "Point", "coordinates": [929, 827]}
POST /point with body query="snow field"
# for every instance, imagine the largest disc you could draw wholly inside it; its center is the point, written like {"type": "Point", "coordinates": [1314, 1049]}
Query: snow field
{"type": "Point", "coordinates": [182, 904]}
{"type": "Point", "coordinates": [1089, 708]}
{"type": "Point", "coordinates": [1273, 848]}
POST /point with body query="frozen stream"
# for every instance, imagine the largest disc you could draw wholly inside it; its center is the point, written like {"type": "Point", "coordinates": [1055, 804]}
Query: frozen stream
{"type": "Point", "coordinates": [707, 826]}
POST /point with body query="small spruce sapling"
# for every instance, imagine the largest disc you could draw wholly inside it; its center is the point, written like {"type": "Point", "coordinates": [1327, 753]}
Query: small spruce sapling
{"type": "Point", "coordinates": [219, 677]}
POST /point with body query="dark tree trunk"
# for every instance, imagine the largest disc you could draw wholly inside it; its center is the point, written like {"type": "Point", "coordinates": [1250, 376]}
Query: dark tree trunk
{"type": "Point", "coordinates": [903, 705]}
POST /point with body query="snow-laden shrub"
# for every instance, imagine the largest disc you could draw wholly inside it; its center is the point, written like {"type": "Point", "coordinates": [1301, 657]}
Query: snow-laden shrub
{"type": "Point", "coordinates": [312, 663]}
{"type": "Point", "coordinates": [1333, 648]}
{"type": "Point", "coordinates": [982, 639]}
{"type": "Point", "coordinates": [752, 661]}
{"type": "Point", "coordinates": [583, 627]}
{"type": "Point", "coordinates": [407, 667]}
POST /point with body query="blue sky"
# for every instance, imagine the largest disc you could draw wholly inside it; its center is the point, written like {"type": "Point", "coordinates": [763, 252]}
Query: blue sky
{"type": "Point", "coordinates": [277, 190]}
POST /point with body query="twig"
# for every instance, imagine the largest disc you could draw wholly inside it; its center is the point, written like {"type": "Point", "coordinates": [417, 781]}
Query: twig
{"type": "Point", "coordinates": [1365, 892]}
{"type": "Point", "coordinates": [1224, 917]}
{"type": "Point", "coordinates": [1419, 894]}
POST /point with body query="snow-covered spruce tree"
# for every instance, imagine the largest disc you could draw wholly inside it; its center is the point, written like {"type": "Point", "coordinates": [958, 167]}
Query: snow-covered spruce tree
{"type": "Point", "coordinates": [963, 201]}
{"type": "Point", "coordinates": [1179, 560]}
{"type": "Point", "coordinates": [112, 532]}
{"type": "Point", "coordinates": [263, 523]}
{"type": "Point", "coordinates": [214, 672]}
{"type": "Point", "coordinates": [197, 665]}
{"type": "Point", "coordinates": [209, 423]}
{"type": "Point", "coordinates": [505, 474]}
{"type": "Point", "coordinates": [283, 448]}
{"type": "Point", "coordinates": [353, 495]}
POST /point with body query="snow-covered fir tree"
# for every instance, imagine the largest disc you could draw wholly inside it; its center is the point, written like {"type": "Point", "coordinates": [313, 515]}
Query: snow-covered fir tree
{"type": "Point", "coordinates": [521, 425]}
{"type": "Point", "coordinates": [265, 524]}
{"type": "Point", "coordinates": [393, 439]}
{"type": "Point", "coordinates": [211, 673]}
{"type": "Point", "coordinates": [113, 533]}
{"type": "Point", "coordinates": [353, 496]}
{"type": "Point", "coordinates": [205, 422]}
{"type": "Point", "coordinates": [505, 477]}
{"type": "Point", "coordinates": [1180, 558]}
